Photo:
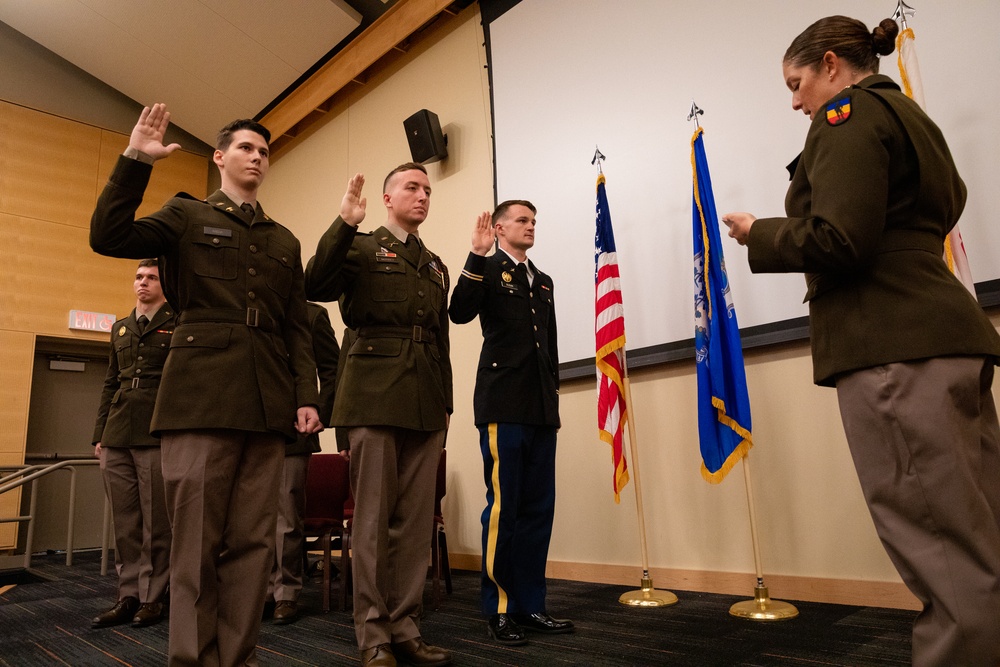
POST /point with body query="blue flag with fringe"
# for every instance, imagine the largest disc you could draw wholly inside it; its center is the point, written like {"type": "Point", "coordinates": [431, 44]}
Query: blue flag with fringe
{"type": "Point", "coordinates": [724, 427]}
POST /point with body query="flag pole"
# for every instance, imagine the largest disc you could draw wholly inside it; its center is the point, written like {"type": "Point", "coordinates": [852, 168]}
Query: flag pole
{"type": "Point", "coordinates": [646, 596]}
{"type": "Point", "coordinates": [762, 607]}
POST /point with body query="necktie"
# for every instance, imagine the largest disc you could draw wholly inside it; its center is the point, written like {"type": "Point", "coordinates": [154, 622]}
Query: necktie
{"type": "Point", "coordinates": [412, 241]}
{"type": "Point", "coordinates": [522, 271]}
{"type": "Point", "coordinates": [247, 208]}
{"type": "Point", "coordinates": [143, 322]}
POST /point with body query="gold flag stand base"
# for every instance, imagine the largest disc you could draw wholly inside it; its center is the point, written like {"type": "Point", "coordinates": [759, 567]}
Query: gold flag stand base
{"type": "Point", "coordinates": [648, 596]}
{"type": "Point", "coordinates": [763, 608]}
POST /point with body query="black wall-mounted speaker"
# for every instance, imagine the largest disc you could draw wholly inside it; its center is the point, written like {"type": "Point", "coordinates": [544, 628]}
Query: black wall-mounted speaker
{"type": "Point", "coordinates": [423, 132]}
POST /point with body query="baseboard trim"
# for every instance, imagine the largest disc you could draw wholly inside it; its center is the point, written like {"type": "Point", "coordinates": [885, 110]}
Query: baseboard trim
{"type": "Point", "coordinates": [893, 595]}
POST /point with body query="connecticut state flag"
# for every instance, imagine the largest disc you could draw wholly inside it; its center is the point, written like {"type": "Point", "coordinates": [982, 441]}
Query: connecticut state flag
{"type": "Point", "coordinates": [724, 427]}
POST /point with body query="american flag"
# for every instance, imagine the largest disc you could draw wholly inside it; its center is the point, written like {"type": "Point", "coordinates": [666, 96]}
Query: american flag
{"type": "Point", "coordinates": [609, 329]}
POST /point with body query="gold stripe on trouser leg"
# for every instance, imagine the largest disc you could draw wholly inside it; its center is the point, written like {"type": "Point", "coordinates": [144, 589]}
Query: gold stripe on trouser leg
{"type": "Point", "coordinates": [491, 538]}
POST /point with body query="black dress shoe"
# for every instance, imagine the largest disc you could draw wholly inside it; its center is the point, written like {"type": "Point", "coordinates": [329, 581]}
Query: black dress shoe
{"type": "Point", "coordinates": [287, 611]}
{"type": "Point", "coordinates": [504, 630]}
{"type": "Point", "coordinates": [543, 623]}
{"type": "Point", "coordinates": [418, 652]}
{"type": "Point", "coordinates": [120, 613]}
{"type": "Point", "coordinates": [148, 614]}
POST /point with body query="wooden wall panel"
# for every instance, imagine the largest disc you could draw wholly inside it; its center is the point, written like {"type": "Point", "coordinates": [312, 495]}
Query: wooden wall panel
{"type": "Point", "coordinates": [17, 351]}
{"type": "Point", "coordinates": [48, 269]}
{"type": "Point", "coordinates": [48, 166]}
{"type": "Point", "coordinates": [51, 173]}
{"type": "Point", "coordinates": [9, 507]}
{"type": "Point", "coordinates": [181, 172]}
{"type": "Point", "coordinates": [10, 503]}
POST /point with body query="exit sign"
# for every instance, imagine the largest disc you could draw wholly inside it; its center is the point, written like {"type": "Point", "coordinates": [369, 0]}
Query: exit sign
{"type": "Point", "coordinates": [88, 321]}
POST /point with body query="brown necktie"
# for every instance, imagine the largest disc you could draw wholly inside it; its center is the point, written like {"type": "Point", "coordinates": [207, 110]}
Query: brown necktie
{"type": "Point", "coordinates": [143, 322]}
{"type": "Point", "coordinates": [247, 208]}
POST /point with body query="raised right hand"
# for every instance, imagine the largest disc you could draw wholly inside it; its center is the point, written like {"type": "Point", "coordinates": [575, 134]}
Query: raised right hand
{"type": "Point", "coordinates": [482, 234]}
{"type": "Point", "coordinates": [147, 135]}
{"type": "Point", "coordinates": [353, 205]}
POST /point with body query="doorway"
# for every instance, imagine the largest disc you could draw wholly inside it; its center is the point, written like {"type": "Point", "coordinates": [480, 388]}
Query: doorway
{"type": "Point", "coordinates": [67, 379]}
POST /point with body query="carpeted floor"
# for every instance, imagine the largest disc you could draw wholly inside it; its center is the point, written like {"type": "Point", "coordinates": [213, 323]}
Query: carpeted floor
{"type": "Point", "coordinates": [48, 623]}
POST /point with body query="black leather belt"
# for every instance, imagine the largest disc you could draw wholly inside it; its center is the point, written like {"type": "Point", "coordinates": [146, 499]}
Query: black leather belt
{"type": "Point", "coordinates": [252, 317]}
{"type": "Point", "coordinates": [415, 333]}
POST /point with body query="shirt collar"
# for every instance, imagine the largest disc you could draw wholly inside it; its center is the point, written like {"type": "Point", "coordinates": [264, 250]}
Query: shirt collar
{"type": "Point", "coordinates": [399, 232]}
{"type": "Point", "coordinates": [237, 200]}
{"type": "Point", "coordinates": [527, 264]}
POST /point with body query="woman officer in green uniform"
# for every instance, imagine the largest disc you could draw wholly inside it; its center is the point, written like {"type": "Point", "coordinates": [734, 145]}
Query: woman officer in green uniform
{"type": "Point", "coordinates": [911, 353]}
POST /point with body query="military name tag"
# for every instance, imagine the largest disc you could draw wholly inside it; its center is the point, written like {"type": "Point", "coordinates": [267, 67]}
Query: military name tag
{"type": "Point", "coordinates": [383, 255]}
{"type": "Point", "coordinates": [218, 231]}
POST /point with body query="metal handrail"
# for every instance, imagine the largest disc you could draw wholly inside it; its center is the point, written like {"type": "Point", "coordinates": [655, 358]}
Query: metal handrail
{"type": "Point", "coordinates": [29, 473]}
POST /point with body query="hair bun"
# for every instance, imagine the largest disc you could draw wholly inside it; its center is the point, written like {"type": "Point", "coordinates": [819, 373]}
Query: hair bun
{"type": "Point", "coordinates": [884, 37]}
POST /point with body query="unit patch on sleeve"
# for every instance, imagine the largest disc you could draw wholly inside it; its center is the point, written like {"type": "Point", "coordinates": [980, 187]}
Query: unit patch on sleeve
{"type": "Point", "coordinates": [838, 111]}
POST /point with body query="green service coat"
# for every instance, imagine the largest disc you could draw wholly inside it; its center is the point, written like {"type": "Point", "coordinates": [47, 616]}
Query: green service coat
{"type": "Point", "coordinates": [326, 352]}
{"type": "Point", "coordinates": [219, 272]}
{"type": "Point", "coordinates": [396, 370]}
{"type": "Point", "coordinates": [135, 367]}
{"type": "Point", "coordinates": [871, 200]}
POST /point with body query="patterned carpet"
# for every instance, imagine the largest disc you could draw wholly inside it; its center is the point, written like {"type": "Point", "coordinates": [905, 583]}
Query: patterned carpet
{"type": "Point", "coordinates": [48, 623]}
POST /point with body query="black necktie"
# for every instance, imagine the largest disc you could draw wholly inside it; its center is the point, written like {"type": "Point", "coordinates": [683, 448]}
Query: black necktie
{"type": "Point", "coordinates": [247, 208]}
{"type": "Point", "coordinates": [412, 241]}
{"type": "Point", "coordinates": [142, 321]}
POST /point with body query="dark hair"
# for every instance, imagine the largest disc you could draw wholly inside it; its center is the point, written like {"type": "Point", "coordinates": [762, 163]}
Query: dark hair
{"type": "Point", "coordinates": [226, 134]}
{"type": "Point", "coordinates": [846, 37]}
{"type": "Point", "coordinates": [501, 209]}
{"type": "Point", "coordinates": [406, 166]}
{"type": "Point", "coordinates": [143, 263]}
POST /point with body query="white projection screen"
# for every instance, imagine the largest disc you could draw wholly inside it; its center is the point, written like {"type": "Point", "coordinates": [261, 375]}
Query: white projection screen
{"type": "Point", "coordinates": [571, 75]}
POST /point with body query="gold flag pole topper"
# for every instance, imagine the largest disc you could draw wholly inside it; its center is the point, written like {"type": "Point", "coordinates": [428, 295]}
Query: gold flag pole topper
{"type": "Point", "coordinates": [646, 596]}
{"type": "Point", "coordinates": [762, 607]}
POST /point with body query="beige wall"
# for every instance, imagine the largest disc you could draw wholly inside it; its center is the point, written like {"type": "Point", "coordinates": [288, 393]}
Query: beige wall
{"type": "Point", "coordinates": [817, 540]}
{"type": "Point", "coordinates": [51, 173]}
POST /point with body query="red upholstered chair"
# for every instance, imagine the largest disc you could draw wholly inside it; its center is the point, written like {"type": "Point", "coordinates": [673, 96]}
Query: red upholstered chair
{"type": "Point", "coordinates": [327, 489]}
{"type": "Point", "coordinates": [439, 540]}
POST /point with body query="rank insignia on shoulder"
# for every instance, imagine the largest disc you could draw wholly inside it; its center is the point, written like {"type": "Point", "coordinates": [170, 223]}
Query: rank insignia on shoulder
{"type": "Point", "coordinates": [506, 277]}
{"type": "Point", "coordinates": [838, 111]}
{"type": "Point", "coordinates": [121, 332]}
